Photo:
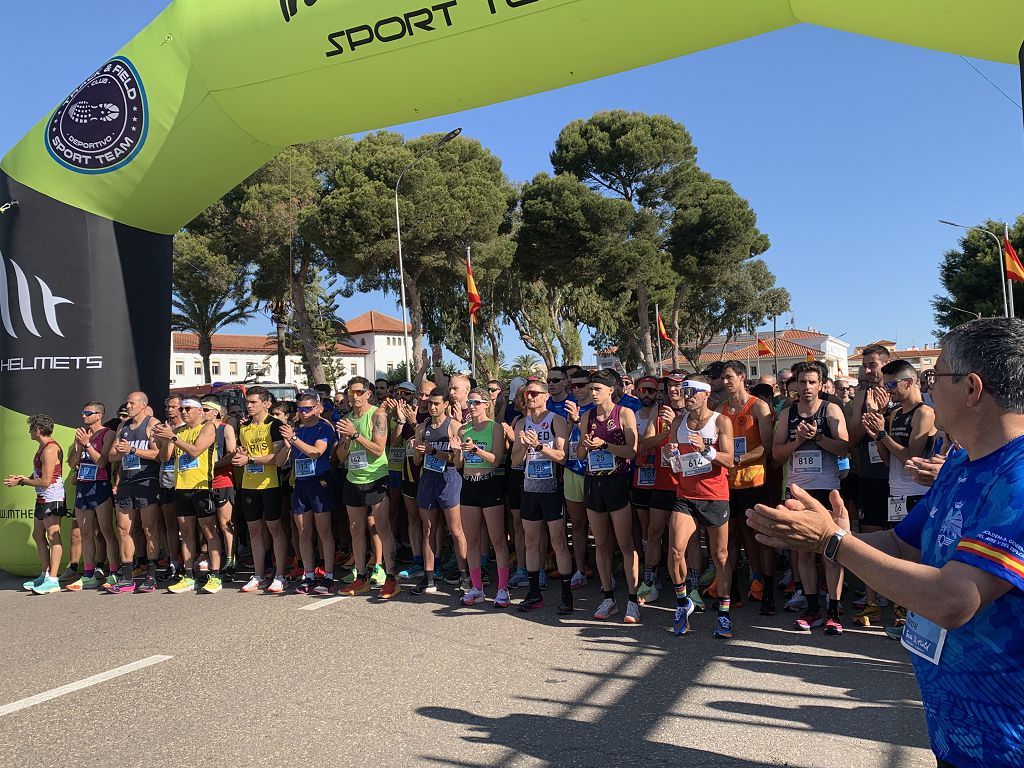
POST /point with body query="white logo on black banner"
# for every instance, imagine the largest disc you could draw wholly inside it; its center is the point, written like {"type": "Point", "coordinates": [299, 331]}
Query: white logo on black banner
{"type": "Point", "coordinates": [24, 301]}
{"type": "Point", "coordinates": [102, 125]}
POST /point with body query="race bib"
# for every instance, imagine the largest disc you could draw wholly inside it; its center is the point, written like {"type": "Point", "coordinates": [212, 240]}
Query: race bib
{"type": "Point", "coordinates": [87, 472]}
{"type": "Point", "coordinates": [645, 477]}
{"type": "Point", "coordinates": [600, 461]}
{"type": "Point", "coordinates": [897, 508]}
{"type": "Point", "coordinates": [252, 468]}
{"type": "Point", "coordinates": [473, 458]}
{"type": "Point", "coordinates": [397, 455]}
{"type": "Point", "coordinates": [187, 462]}
{"type": "Point", "coordinates": [693, 464]}
{"type": "Point", "coordinates": [573, 445]}
{"type": "Point", "coordinates": [739, 446]}
{"type": "Point", "coordinates": [807, 461]}
{"type": "Point", "coordinates": [130, 462]}
{"type": "Point", "coordinates": [540, 469]}
{"type": "Point", "coordinates": [305, 467]}
{"type": "Point", "coordinates": [434, 463]}
{"type": "Point", "coordinates": [873, 454]}
{"type": "Point", "coordinates": [923, 638]}
{"type": "Point", "coordinates": [167, 469]}
{"type": "Point", "coordinates": [357, 460]}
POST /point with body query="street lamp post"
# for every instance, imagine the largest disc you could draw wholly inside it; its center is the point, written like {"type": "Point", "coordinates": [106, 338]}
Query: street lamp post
{"type": "Point", "coordinates": [977, 315]}
{"type": "Point", "coordinates": [999, 248]}
{"type": "Point", "coordinates": [398, 228]}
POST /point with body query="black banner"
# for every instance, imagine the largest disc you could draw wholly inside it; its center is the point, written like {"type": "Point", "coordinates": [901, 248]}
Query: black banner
{"type": "Point", "coordinates": [84, 307]}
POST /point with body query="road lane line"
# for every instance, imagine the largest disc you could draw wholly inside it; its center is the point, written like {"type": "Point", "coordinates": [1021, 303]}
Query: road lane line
{"type": "Point", "coordinates": [102, 677]}
{"type": "Point", "coordinates": [321, 604]}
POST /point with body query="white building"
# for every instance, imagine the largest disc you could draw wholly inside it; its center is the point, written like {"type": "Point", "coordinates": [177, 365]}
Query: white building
{"type": "Point", "coordinates": [237, 357]}
{"type": "Point", "coordinates": [381, 337]}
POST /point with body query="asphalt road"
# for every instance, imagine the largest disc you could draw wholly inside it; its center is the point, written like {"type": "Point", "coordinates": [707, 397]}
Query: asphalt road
{"type": "Point", "coordinates": [254, 680]}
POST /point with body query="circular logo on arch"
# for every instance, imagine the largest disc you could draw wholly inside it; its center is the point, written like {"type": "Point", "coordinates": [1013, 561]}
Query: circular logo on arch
{"type": "Point", "coordinates": [102, 125]}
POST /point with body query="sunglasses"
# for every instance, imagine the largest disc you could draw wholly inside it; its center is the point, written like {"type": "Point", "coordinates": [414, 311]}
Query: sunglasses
{"type": "Point", "coordinates": [211, 410]}
{"type": "Point", "coordinates": [533, 393]}
{"type": "Point", "coordinates": [494, 389]}
{"type": "Point", "coordinates": [691, 391]}
{"type": "Point", "coordinates": [90, 413]}
{"type": "Point", "coordinates": [555, 381]}
{"type": "Point", "coordinates": [471, 403]}
{"type": "Point", "coordinates": [187, 408]}
{"type": "Point", "coordinates": [580, 384]}
{"type": "Point", "coordinates": [647, 390]}
{"type": "Point", "coordinates": [891, 385]}
{"type": "Point", "coordinates": [305, 408]}
{"type": "Point", "coordinates": [357, 392]}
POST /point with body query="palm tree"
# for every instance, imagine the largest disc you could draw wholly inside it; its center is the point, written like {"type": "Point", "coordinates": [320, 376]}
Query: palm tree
{"type": "Point", "coordinates": [197, 312]}
{"type": "Point", "coordinates": [525, 365]}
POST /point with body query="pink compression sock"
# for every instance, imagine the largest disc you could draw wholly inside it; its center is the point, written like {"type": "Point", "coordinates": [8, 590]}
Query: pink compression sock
{"type": "Point", "coordinates": [503, 578]}
{"type": "Point", "coordinates": [477, 577]}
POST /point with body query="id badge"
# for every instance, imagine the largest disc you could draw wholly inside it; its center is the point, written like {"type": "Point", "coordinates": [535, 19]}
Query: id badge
{"type": "Point", "coordinates": [923, 638]}
{"type": "Point", "coordinates": [873, 454]}
{"type": "Point", "coordinates": [694, 464]}
{"type": "Point", "coordinates": [186, 462]}
{"type": "Point", "coordinates": [600, 461]}
{"type": "Point", "coordinates": [897, 508]}
{"type": "Point", "coordinates": [807, 461]}
{"type": "Point", "coordinates": [357, 460]}
{"type": "Point", "coordinates": [645, 477]}
{"type": "Point", "coordinates": [87, 472]}
{"type": "Point", "coordinates": [739, 446]}
{"type": "Point", "coordinates": [130, 462]}
{"type": "Point", "coordinates": [540, 469]}
{"type": "Point", "coordinates": [397, 455]}
{"type": "Point", "coordinates": [305, 467]}
{"type": "Point", "coordinates": [252, 468]}
{"type": "Point", "coordinates": [434, 464]}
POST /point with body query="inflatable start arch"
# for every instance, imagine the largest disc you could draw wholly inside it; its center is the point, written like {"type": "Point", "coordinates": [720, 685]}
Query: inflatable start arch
{"type": "Point", "coordinates": [208, 92]}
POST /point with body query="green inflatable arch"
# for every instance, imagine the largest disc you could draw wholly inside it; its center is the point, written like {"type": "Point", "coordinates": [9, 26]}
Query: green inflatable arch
{"type": "Point", "coordinates": [209, 91]}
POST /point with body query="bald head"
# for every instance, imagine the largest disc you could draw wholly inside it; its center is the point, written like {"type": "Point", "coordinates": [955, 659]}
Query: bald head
{"type": "Point", "coordinates": [768, 379]}
{"type": "Point", "coordinates": [459, 386]}
{"type": "Point", "coordinates": [138, 398]}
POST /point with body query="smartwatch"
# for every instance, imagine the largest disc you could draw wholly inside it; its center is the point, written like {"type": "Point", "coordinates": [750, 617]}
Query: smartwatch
{"type": "Point", "coordinates": [832, 545]}
{"type": "Point", "coordinates": [881, 435]}
{"type": "Point", "coordinates": [132, 450]}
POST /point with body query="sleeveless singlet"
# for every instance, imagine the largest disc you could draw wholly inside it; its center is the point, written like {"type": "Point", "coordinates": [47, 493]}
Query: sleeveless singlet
{"type": "Point", "coordinates": [540, 474]}
{"type": "Point", "coordinates": [645, 470]}
{"type": "Point", "coordinates": [601, 461]}
{"type": "Point", "coordinates": [869, 462]}
{"type": "Point", "coordinates": [699, 478]}
{"type": "Point", "coordinates": [571, 462]}
{"type": "Point", "coordinates": [88, 470]}
{"type": "Point", "coordinates": [194, 473]}
{"type": "Point", "coordinates": [362, 467]}
{"type": "Point", "coordinates": [746, 437]}
{"type": "Point", "coordinates": [134, 468]}
{"type": "Point", "coordinates": [900, 481]}
{"type": "Point", "coordinates": [811, 466]}
{"type": "Point", "coordinates": [55, 490]}
{"type": "Point", "coordinates": [482, 438]}
{"type": "Point", "coordinates": [258, 440]}
{"type": "Point", "coordinates": [436, 438]}
{"type": "Point", "coordinates": [223, 477]}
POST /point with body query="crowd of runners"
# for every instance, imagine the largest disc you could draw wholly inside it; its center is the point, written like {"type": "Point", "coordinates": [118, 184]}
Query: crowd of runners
{"type": "Point", "coordinates": [576, 476]}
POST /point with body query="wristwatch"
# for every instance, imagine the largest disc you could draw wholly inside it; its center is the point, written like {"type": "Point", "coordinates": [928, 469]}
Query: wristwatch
{"type": "Point", "coordinates": [881, 435]}
{"type": "Point", "coordinates": [132, 450]}
{"type": "Point", "coordinates": [832, 545]}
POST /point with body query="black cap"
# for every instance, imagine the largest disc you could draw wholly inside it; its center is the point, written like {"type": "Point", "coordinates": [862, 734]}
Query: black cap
{"type": "Point", "coordinates": [715, 370]}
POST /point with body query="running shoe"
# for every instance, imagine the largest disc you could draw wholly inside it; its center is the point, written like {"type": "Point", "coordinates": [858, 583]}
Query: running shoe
{"type": "Point", "coordinates": [139, 571]}
{"type": "Point", "coordinates": [227, 573]}
{"type": "Point", "coordinates": [126, 587]}
{"type": "Point", "coordinates": [254, 583]}
{"type": "Point", "coordinates": [319, 572]}
{"type": "Point", "coordinates": [697, 600]}
{"type": "Point", "coordinates": [653, 594]}
{"type": "Point", "coordinates": [833, 627]}
{"type": "Point", "coordinates": [522, 579]}
{"type": "Point", "coordinates": [642, 591]}
{"type": "Point", "coordinates": [33, 583]}
{"type": "Point", "coordinates": [296, 572]}
{"type": "Point", "coordinates": [69, 574]}
{"type": "Point", "coordinates": [787, 578]}
{"type": "Point", "coordinates": [424, 586]}
{"type": "Point", "coordinates": [564, 609]}
{"type": "Point", "coordinates": [325, 587]}
{"type": "Point", "coordinates": [184, 584]}
{"type": "Point", "coordinates": [452, 577]}
{"type": "Point", "coordinates": [723, 627]}
{"type": "Point", "coordinates": [501, 600]}
{"type": "Point", "coordinates": [681, 621]}
{"type": "Point", "coordinates": [543, 580]}
{"type": "Point", "coordinates": [756, 592]}
{"type": "Point", "coordinates": [148, 585]}
{"type": "Point", "coordinates": [305, 587]}
{"type": "Point", "coordinates": [796, 603]}
{"type": "Point", "coordinates": [110, 580]}
{"type": "Point", "coordinates": [348, 575]}
{"type": "Point", "coordinates": [390, 588]}
{"type": "Point", "coordinates": [76, 585]}
{"type": "Point", "coordinates": [528, 604]}
{"type": "Point", "coordinates": [377, 576]}
{"type": "Point", "coordinates": [578, 580]}
{"type": "Point", "coordinates": [100, 572]}
{"type": "Point", "coordinates": [606, 609]}
{"type": "Point", "coordinates": [894, 633]}
{"type": "Point", "coordinates": [901, 616]}
{"type": "Point", "coordinates": [870, 616]}
{"type": "Point", "coordinates": [414, 571]}
{"type": "Point", "coordinates": [213, 585]}
{"type": "Point", "coordinates": [473, 596]}
{"type": "Point", "coordinates": [48, 586]}
{"type": "Point", "coordinates": [767, 607]}
{"type": "Point", "coordinates": [90, 582]}
{"type": "Point", "coordinates": [358, 587]}
{"type": "Point", "coordinates": [808, 621]}
{"type": "Point", "coordinates": [277, 586]}
{"type": "Point", "coordinates": [632, 613]}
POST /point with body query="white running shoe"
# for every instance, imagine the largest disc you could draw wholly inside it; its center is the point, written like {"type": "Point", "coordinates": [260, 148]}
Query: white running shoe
{"type": "Point", "coordinates": [606, 609]}
{"type": "Point", "coordinates": [797, 602]}
{"type": "Point", "coordinates": [579, 579]}
{"type": "Point", "coordinates": [632, 613]}
{"type": "Point", "coordinates": [253, 584]}
{"type": "Point", "coordinates": [473, 597]}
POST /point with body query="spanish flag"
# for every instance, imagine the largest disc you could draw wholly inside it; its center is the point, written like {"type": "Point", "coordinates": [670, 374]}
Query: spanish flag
{"type": "Point", "coordinates": [1014, 269]}
{"type": "Point", "coordinates": [763, 350]}
{"type": "Point", "coordinates": [661, 330]}
{"type": "Point", "coordinates": [810, 357]}
{"type": "Point", "coordinates": [471, 292]}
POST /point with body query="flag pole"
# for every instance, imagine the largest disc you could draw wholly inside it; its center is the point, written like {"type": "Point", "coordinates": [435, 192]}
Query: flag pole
{"type": "Point", "coordinates": [775, 345]}
{"type": "Point", "coordinates": [748, 352]}
{"type": "Point", "coordinates": [657, 332]}
{"type": "Point", "coordinates": [1009, 282]}
{"type": "Point", "coordinates": [472, 330]}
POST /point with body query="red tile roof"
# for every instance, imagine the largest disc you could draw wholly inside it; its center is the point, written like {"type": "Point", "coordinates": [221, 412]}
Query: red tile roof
{"type": "Point", "coordinates": [904, 354]}
{"type": "Point", "coordinates": [786, 349]}
{"type": "Point", "coordinates": [794, 334]}
{"type": "Point", "coordinates": [374, 322]}
{"type": "Point", "coordinates": [238, 342]}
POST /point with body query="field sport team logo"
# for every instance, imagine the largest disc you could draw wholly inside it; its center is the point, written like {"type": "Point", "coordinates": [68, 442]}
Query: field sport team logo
{"type": "Point", "coordinates": [102, 125]}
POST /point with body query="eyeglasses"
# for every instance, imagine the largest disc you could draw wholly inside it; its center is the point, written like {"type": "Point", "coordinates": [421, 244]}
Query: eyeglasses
{"type": "Point", "coordinates": [931, 376]}
{"type": "Point", "coordinates": [90, 413]}
{"type": "Point", "coordinates": [533, 393]}
{"type": "Point", "coordinates": [305, 408]}
{"type": "Point", "coordinates": [580, 384]}
{"type": "Point", "coordinates": [471, 403]}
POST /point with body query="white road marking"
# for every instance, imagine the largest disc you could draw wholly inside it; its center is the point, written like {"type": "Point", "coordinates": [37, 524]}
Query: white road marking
{"type": "Point", "coordinates": [102, 677]}
{"type": "Point", "coordinates": [320, 604]}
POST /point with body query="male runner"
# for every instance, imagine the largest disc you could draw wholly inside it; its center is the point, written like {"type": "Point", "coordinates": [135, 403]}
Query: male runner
{"type": "Point", "coordinates": [410, 415]}
{"type": "Point", "coordinates": [93, 494]}
{"type": "Point", "coordinates": [223, 486]}
{"type": "Point", "coordinates": [172, 541]}
{"type": "Point", "coordinates": [576, 407]}
{"type": "Point", "coordinates": [380, 390]}
{"type": "Point", "coordinates": [362, 447]}
{"type": "Point", "coordinates": [259, 443]}
{"type": "Point", "coordinates": [50, 508]}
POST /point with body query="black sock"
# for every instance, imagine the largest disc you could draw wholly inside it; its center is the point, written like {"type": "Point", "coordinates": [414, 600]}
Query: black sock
{"type": "Point", "coordinates": [799, 586]}
{"type": "Point", "coordinates": [609, 594]}
{"type": "Point", "coordinates": [74, 567]}
{"type": "Point", "coordinates": [534, 583]}
{"type": "Point", "coordinates": [126, 571]}
{"type": "Point", "coordinates": [566, 589]}
{"type": "Point", "coordinates": [812, 603]}
{"type": "Point", "coordinates": [151, 569]}
{"type": "Point", "coordinates": [632, 598]}
{"type": "Point", "coordinates": [833, 609]}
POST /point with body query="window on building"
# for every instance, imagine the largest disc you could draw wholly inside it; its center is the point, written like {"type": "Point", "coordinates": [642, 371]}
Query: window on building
{"type": "Point", "coordinates": [391, 367]}
{"type": "Point", "coordinates": [233, 369]}
{"type": "Point", "coordinates": [362, 342]}
{"type": "Point", "coordinates": [926, 361]}
{"type": "Point", "coordinates": [353, 369]}
{"type": "Point", "coordinates": [199, 368]}
{"type": "Point", "coordinates": [297, 369]}
{"type": "Point", "coordinates": [215, 368]}
{"type": "Point", "coordinates": [179, 367]}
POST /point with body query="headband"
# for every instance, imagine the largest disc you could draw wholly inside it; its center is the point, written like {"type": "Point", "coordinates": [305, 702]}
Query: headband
{"type": "Point", "coordinates": [190, 403]}
{"type": "Point", "coordinates": [700, 386]}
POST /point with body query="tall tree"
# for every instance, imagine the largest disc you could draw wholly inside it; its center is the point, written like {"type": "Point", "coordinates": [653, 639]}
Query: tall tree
{"type": "Point", "coordinates": [970, 276]}
{"type": "Point", "coordinates": [208, 292]}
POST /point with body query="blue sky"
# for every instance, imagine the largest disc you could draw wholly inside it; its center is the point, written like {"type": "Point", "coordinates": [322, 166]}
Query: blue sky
{"type": "Point", "coordinates": [848, 148]}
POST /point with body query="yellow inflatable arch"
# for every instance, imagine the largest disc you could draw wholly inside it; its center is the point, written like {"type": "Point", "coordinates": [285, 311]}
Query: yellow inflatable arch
{"type": "Point", "coordinates": [209, 91]}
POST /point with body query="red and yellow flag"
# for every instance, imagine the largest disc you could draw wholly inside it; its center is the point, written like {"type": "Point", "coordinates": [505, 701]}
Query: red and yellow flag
{"type": "Point", "coordinates": [810, 357]}
{"type": "Point", "coordinates": [1014, 268]}
{"type": "Point", "coordinates": [471, 293]}
{"type": "Point", "coordinates": [661, 330]}
{"type": "Point", "coordinates": [763, 350]}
